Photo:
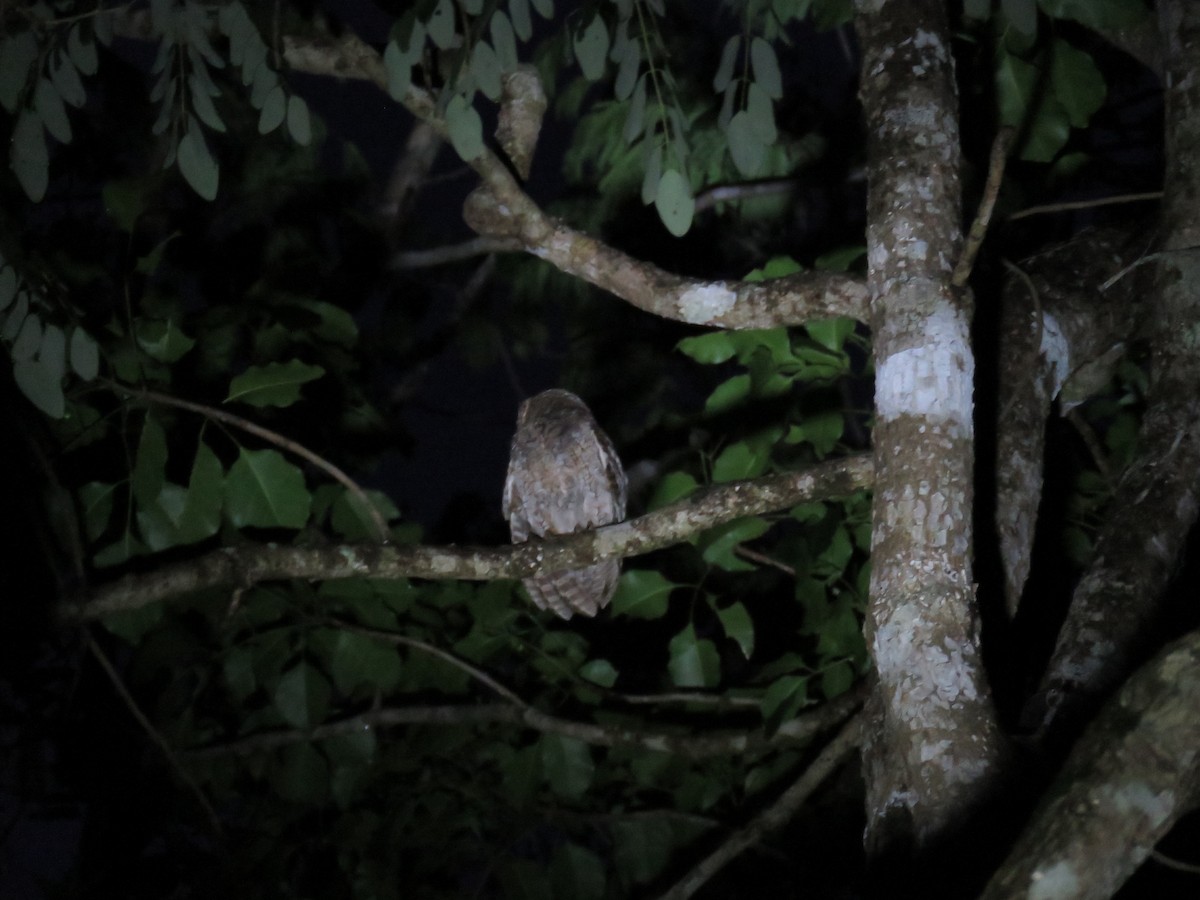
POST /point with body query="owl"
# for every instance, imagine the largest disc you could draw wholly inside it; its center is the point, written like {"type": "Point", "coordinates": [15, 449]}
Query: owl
{"type": "Point", "coordinates": [564, 476]}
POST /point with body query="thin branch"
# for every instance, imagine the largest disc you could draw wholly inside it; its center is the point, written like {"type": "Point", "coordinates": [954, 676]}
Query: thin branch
{"type": "Point", "coordinates": [445, 655]}
{"type": "Point", "coordinates": [1085, 204]}
{"type": "Point", "coordinates": [682, 742]}
{"type": "Point", "coordinates": [763, 559]}
{"type": "Point", "coordinates": [452, 253]}
{"type": "Point", "coordinates": [158, 740]}
{"type": "Point", "coordinates": [775, 815]}
{"type": "Point", "coordinates": [270, 436]}
{"type": "Point", "coordinates": [999, 155]}
{"type": "Point", "coordinates": [726, 193]}
{"type": "Point", "coordinates": [249, 564]}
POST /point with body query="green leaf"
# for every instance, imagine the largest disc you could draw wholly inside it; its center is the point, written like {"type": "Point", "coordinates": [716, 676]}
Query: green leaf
{"type": "Point", "coordinates": [567, 765]}
{"type": "Point", "coordinates": [197, 165]}
{"type": "Point", "coordinates": [264, 490]}
{"type": "Point", "coordinates": [202, 511]}
{"type": "Point", "coordinates": [65, 78]}
{"type": "Point", "coordinates": [717, 545]}
{"type": "Point", "coordinates": [361, 660]}
{"type": "Point", "coordinates": [485, 68]}
{"type": "Point", "coordinates": [823, 430]}
{"type": "Point", "coordinates": [741, 460]}
{"type": "Point", "coordinates": [578, 873]}
{"type": "Point", "coordinates": [162, 341]}
{"type": "Point", "coordinates": [1022, 14]}
{"type": "Point", "coordinates": [85, 354]}
{"type": "Point", "coordinates": [41, 383]}
{"type": "Point", "coordinates": [627, 72]}
{"type": "Point", "coordinates": [96, 500]}
{"type": "Point", "coordinates": [399, 71]}
{"type": "Point", "coordinates": [202, 104]}
{"type": "Point", "coordinates": [739, 626]}
{"type": "Point", "coordinates": [302, 696]}
{"type": "Point", "coordinates": [1015, 80]}
{"type": "Point", "coordinates": [353, 521]}
{"type": "Point", "coordinates": [238, 670]}
{"type": "Point", "coordinates": [642, 848]}
{"type": "Point", "coordinates": [274, 110]}
{"type": "Point", "coordinates": [505, 42]}
{"type": "Point", "coordinates": [675, 203]}
{"type": "Point", "coordinates": [672, 487]}
{"type": "Point", "coordinates": [837, 679]}
{"type": "Point", "coordinates": [783, 699]}
{"type": "Point", "coordinates": [591, 48]}
{"type": "Point", "coordinates": [28, 156]}
{"type": "Point", "coordinates": [17, 53]}
{"type": "Point", "coordinates": [761, 113]}
{"type": "Point", "coordinates": [1077, 83]}
{"type": "Point", "coordinates": [709, 349]}
{"type": "Point", "coordinates": [82, 51]}
{"type": "Point", "coordinates": [642, 594]}
{"type": "Point", "coordinates": [275, 384]}
{"type": "Point", "coordinates": [766, 68]}
{"type": "Point", "coordinates": [840, 260]}
{"type": "Point", "coordinates": [545, 8]}
{"type": "Point", "coordinates": [746, 148]}
{"type": "Point", "coordinates": [150, 463]}
{"type": "Point", "coordinates": [29, 338]}
{"type": "Point", "coordinates": [465, 127]}
{"type": "Point", "coordinates": [831, 333]}
{"type": "Point", "coordinates": [728, 394]}
{"type": "Point", "coordinates": [729, 55]}
{"type": "Point", "coordinates": [302, 775]}
{"type": "Point", "coordinates": [599, 671]}
{"type": "Point", "coordinates": [518, 10]}
{"type": "Point", "coordinates": [694, 662]}
{"type": "Point", "coordinates": [441, 24]}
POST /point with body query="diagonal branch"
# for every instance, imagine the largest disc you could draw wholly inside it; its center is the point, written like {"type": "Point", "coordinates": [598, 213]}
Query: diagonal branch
{"type": "Point", "coordinates": [246, 565]}
{"type": "Point", "coordinates": [501, 209]}
{"type": "Point", "coordinates": [775, 815]}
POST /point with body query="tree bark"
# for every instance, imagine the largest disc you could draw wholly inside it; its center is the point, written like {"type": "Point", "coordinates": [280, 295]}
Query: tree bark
{"type": "Point", "coordinates": [933, 747]}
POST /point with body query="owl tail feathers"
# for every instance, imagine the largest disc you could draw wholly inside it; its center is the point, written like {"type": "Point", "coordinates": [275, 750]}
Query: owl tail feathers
{"type": "Point", "coordinates": [582, 591]}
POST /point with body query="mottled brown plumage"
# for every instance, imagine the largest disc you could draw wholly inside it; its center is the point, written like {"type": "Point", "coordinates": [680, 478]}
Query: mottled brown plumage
{"type": "Point", "coordinates": [564, 476]}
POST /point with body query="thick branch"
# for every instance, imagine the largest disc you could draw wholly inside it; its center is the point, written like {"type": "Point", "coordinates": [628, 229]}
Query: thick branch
{"type": "Point", "coordinates": [501, 209]}
{"type": "Point", "coordinates": [1118, 600]}
{"type": "Point", "coordinates": [1131, 776]}
{"type": "Point", "coordinates": [933, 745]}
{"type": "Point", "coordinates": [246, 565]}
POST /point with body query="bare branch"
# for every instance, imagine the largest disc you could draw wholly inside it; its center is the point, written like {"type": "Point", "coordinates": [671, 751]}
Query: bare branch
{"type": "Point", "coordinates": [775, 815]}
{"type": "Point", "coordinates": [155, 736]}
{"type": "Point", "coordinates": [245, 565]}
{"type": "Point", "coordinates": [1135, 771]}
{"type": "Point", "coordinates": [441, 256]}
{"type": "Point", "coordinates": [683, 742]}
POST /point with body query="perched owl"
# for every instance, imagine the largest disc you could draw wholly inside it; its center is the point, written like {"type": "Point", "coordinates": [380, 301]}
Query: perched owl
{"type": "Point", "coordinates": [564, 476]}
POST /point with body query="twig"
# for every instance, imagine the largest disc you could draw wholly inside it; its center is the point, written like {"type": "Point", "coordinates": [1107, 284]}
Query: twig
{"type": "Point", "coordinates": [1092, 442]}
{"type": "Point", "coordinates": [1149, 257]}
{"type": "Point", "coordinates": [458, 662]}
{"type": "Point", "coordinates": [1163, 859]}
{"type": "Point", "coordinates": [452, 253]}
{"type": "Point", "coordinates": [1035, 348]}
{"type": "Point", "coordinates": [1085, 204]}
{"type": "Point", "coordinates": [159, 741]}
{"type": "Point", "coordinates": [999, 155]}
{"type": "Point", "coordinates": [682, 743]}
{"type": "Point", "coordinates": [774, 815]}
{"type": "Point", "coordinates": [763, 559]}
{"type": "Point", "coordinates": [273, 437]}
{"type": "Point", "coordinates": [725, 193]}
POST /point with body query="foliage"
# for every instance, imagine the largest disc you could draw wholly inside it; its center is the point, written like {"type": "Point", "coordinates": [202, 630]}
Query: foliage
{"type": "Point", "coordinates": [169, 345]}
